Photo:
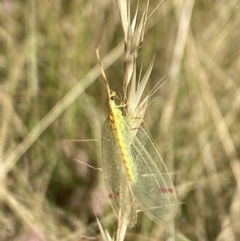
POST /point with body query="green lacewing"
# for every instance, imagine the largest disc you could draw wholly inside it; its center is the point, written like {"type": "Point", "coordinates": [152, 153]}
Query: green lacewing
{"type": "Point", "coordinates": [152, 189]}
{"type": "Point", "coordinates": [122, 200]}
{"type": "Point", "coordinates": [134, 171]}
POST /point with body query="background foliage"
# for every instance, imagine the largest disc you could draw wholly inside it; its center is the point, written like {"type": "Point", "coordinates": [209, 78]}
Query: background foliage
{"type": "Point", "coordinates": [50, 94]}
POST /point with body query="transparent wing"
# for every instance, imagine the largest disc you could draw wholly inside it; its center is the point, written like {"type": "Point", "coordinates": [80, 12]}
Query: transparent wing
{"type": "Point", "coordinates": [115, 180]}
{"type": "Point", "coordinates": [154, 189]}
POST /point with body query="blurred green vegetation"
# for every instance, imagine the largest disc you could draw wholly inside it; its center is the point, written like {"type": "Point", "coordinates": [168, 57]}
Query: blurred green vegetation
{"type": "Point", "coordinates": [47, 48]}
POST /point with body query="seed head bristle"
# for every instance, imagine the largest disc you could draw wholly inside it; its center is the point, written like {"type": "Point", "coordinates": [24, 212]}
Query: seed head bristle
{"type": "Point", "coordinates": [104, 233]}
{"type": "Point", "coordinates": [133, 88]}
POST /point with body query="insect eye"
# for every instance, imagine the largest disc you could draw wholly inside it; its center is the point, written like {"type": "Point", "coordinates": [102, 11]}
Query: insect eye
{"type": "Point", "coordinates": [112, 97]}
